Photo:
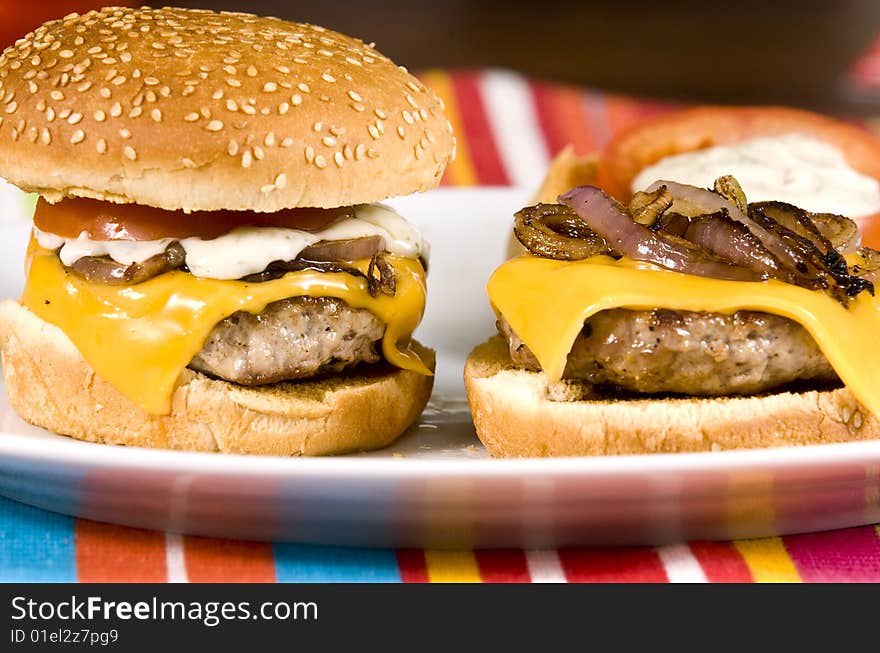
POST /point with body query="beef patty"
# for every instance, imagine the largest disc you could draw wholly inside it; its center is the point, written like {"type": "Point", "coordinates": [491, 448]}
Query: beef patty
{"type": "Point", "coordinates": [292, 338]}
{"type": "Point", "coordinates": [694, 353]}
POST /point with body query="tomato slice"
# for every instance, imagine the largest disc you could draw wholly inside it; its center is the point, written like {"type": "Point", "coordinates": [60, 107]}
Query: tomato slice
{"type": "Point", "coordinates": [107, 221]}
{"type": "Point", "coordinates": [691, 129]}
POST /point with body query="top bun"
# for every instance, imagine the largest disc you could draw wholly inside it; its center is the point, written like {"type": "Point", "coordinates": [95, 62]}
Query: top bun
{"type": "Point", "coordinates": [195, 110]}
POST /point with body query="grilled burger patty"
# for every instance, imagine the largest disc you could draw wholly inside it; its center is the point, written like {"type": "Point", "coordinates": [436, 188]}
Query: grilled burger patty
{"type": "Point", "coordinates": [694, 353]}
{"type": "Point", "coordinates": [293, 338]}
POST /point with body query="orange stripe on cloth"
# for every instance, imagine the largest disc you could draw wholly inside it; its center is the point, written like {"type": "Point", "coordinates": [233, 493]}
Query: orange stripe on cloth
{"type": "Point", "coordinates": [210, 560]}
{"type": "Point", "coordinates": [452, 567]}
{"type": "Point", "coordinates": [106, 553]}
{"type": "Point", "coordinates": [768, 560]}
{"type": "Point", "coordinates": [461, 171]}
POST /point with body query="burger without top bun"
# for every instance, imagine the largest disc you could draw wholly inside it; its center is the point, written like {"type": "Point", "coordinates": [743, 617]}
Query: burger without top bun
{"type": "Point", "coordinates": [210, 267]}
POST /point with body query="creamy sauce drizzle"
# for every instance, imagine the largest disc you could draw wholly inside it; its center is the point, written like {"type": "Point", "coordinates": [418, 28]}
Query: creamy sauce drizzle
{"type": "Point", "coordinates": [793, 168]}
{"type": "Point", "coordinates": [248, 250]}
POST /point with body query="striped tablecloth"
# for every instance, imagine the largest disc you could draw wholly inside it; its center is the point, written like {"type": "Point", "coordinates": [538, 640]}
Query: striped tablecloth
{"type": "Point", "coordinates": [508, 129]}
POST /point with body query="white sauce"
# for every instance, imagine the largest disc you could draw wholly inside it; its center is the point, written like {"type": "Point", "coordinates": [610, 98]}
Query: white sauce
{"type": "Point", "coordinates": [793, 168]}
{"type": "Point", "coordinates": [248, 250]}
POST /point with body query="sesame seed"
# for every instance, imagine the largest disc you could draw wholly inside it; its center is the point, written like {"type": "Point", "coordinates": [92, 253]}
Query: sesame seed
{"type": "Point", "coordinates": [56, 95]}
{"type": "Point", "coordinates": [105, 93]}
{"type": "Point", "coordinates": [233, 82]}
{"type": "Point", "coordinates": [283, 108]}
{"type": "Point", "coordinates": [310, 153]}
{"type": "Point", "coordinates": [270, 87]}
{"type": "Point", "coordinates": [347, 151]}
{"type": "Point", "coordinates": [246, 159]}
{"type": "Point", "coordinates": [407, 116]}
{"type": "Point", "coordinates": [151, 81]}
{"type": "Point", "coordinates": [359, 151]}
{"type": "Point", "coordinates": [217, 95]}
{"type": "Point", "coordinates": [124, 133]}
{"type": "Point", "coordinates": [318, 126]}
{"type": "Point", "coordinates": [296, 99]}
{"type": "Point", "coordinates": [100, 116]}
{"type": "Point", "coordinates": [269, 141]}
{"type": "Point", "coordinates": [129, 153]}
{"type": "Point", "coordinates": [372, 154]}
{"type": "Point", "coordinates": [232, 148]}
{"type": "Point", "coordinates": [191, 117]}
{"type": "Point", "coordinates": [329, 141]}
{"type": "Point", "coordinates": [32, 87]}
{"type": "Point", "coordinates": [231, 105]}
{"type": "Point", "coordinates": [327, 77]}
{"type": "Point", "coordinates": [401, 131]}
{"type": "Point", "coordinates": [188, 163]}
{"type": "Point", "coordinates": [413, 86]}
{"type": "Point", "coordinates": [78, 136]}
{"type": "Point", "coordinates": [134, 113]}
{"type": "Point", "coordinates": [75, 118]}
{"type": "Point", "coordinates": [304, 87]}
{"type": "Point", "coordinates": [358, 107]}
{"type": "Point", "coordinates": [258, 153]}
{"type": "Point", "coordinates": [355, 96]}
{"type": "Point", "coordinates": [11, 107]}
{"type": "Point", "coordinates": [214, 126]}
{"type": "Point", "coordinates": [320, 161]}
{"type": "Point", "coordinates": [116, 110]}
{"type": "Point", "coordinates": [156, 115]}
{"type": "Point", "coordinates": [231, 70]}
{"type": "Point", "coordinates": [46, 136]}
{"type": "Point", "coordinates": [101, 146]}
{"type": "Point", "coordinates": [287, 142]}
{"type": "Point", "coordinates": [268, 188]}
{"type": "Point", "coordinates": [373, 132]}
{"type": "Point", "coordinates": [65, 54]}
{"type": "Point", "coordinates": [418, 151]}
{"type": "Point", "coordinates": [251, 71]}
{"type": "Point", "coordinates": [338, 159]}
{"type": "Point", "coordinates": [380, 114]}
{"type": "Point", "coordinates": [281, 181]}
{"type": "Point", "coordinates": [50, 114]}
{"type": "Point", "coordinates": [64, 113]}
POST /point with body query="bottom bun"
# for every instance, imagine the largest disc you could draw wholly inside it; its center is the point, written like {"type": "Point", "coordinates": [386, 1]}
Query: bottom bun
{"type": "Point", "coordinates": [50, 385]}
{"type": "Point", "coordinates": [514, 417]}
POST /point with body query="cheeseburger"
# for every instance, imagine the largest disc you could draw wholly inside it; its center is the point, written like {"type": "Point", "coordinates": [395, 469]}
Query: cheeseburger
{"type": "Point", "coordinates": [210, 268]}
{"type": "Point", "coordinates": [699, 289]}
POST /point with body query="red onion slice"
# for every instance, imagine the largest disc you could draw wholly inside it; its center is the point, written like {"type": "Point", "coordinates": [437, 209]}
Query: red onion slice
{"type": "Point", "coordinates": [636, 241]}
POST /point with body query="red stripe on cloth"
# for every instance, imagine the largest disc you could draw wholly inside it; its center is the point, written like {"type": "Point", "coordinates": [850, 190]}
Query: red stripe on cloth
{"type": "Point", "coordinates": [562, 118]}
{"type": "Point", "coordinates": [210, 560]}
{"type": "Point", "coordinates": [484, 152]}
{"type": "Point", "coordinates": [106, 553]}
{"type": "Point", "coordinates": [850, 555]}
{"type": "Point", "coordinates": [551, 128]}
{"type": "Point", "coordinates": [721, 562]}
{"type": "Point", "coordinates": [624, 565]}
{"type": "Point", "coordinates": [503, 566]}
{"type": "Point", "coordinates": [412, 565]}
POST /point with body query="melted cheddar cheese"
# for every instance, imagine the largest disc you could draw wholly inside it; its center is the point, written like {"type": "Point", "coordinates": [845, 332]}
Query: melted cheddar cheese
{"type": "Point", "coordinates": [546, 303]}
{"type": "Point", "coordinates": [140, 338]}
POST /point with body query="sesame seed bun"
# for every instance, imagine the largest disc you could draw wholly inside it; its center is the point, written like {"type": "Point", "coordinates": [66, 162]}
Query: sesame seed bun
{"type": "Point", "coordinates": [195, 110]}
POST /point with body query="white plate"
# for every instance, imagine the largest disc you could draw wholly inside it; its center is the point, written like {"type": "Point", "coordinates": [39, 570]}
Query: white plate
{"type": "Point", "coordinates": [437, 487]}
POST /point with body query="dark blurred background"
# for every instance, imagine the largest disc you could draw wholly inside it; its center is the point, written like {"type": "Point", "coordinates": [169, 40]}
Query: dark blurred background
{"type": "Point", "coordinates": [797, 53]}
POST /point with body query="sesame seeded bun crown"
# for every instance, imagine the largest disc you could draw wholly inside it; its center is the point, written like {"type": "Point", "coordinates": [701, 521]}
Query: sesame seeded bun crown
{"type": "Point", "coordinates": [195, 110]}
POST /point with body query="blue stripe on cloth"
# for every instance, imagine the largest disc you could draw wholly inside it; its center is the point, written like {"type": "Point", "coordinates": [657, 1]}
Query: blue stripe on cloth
{"type": "Point", "coordinates": [302, 563]}
{"type": "Point", "coordinates": [35, 546]}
